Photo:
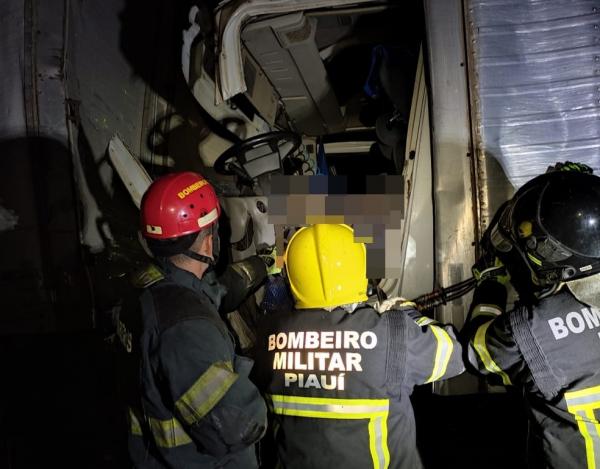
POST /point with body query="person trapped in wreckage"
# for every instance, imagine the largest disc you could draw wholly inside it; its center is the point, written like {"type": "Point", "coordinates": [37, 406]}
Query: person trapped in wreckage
{"type": "Point", "coordinates": [337, 373]}
{"type": "Point", "coordinates": [190, 401]}
{"type": "Point", "coordinates": [548, 345]}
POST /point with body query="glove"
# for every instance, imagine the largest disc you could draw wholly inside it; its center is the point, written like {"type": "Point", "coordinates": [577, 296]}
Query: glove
{"type": "Point", "coordinates": [396, 302]}
{"type": "Point", "coordinates": [568, 166]}
{"type": "Point", "coordinates": [488, 268]}
{"type": "Point", "coordinates": [269, 257]}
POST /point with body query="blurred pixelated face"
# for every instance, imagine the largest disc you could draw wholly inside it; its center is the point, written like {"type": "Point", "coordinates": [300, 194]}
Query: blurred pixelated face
{"type": "Point", "coordinates": [372, 205]}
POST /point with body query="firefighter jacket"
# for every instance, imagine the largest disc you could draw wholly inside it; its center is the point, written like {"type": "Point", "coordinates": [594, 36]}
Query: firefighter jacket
{"type": "Point", "coordinates": [191, 403]}
{"type": "Point", "coordinates": [550, 350]}
{"type": "Point", "coordinates": [338, 383]}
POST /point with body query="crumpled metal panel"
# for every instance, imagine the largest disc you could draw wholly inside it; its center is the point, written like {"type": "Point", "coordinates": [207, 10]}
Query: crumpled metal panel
{"type": "Point", "coordinates": [250, 228]}
{"type": "Point", "coordinates": [12, 100]}
{"type": "Point", "coordinates": [43, 283]}
{"type": "Point", "coordinates": [286, 50]}
{"type": "Point", "coordinates": [536, 72]}
{"type": "Point", "coordinates": [231, 80]}
{"type": "Point", "coordinates": [414, 248]}
{"type": "Point", "coordinates": [455, 219]}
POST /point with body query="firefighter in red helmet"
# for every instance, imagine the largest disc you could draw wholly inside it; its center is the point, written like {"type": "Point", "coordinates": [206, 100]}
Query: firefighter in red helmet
{"type": "Point", "coordinates": [190, 401]}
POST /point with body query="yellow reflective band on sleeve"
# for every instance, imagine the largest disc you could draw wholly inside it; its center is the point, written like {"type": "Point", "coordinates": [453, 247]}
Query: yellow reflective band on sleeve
{"type": "Point", "coordinates": [534, 259]}
{"type": "Point", "coordinates": [583, 404]}
{"type": "Point", "coordinates": [374, 410]}
{"type": "Point", "coordinates": [168, 433]}
{"type": "Point", "coordinates": [443, 352]}
{"type": "Point", "coordinates": [134, 424]}
{"type": "Point", "coordinates": [486, 310]}
{"type": "Point", "coordinates": [204, 394]}
{"type": "Point", "coordinates": [425, 321]}
{"type": "Point", "coordinates": [480, 346]}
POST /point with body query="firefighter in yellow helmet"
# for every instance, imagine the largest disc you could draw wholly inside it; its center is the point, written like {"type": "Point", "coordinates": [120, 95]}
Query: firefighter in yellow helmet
{"type": "Point", "coordinates": [337, 373]}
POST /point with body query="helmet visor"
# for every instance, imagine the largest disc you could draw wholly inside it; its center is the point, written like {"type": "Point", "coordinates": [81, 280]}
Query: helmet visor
{"type": "Point", "coordinates": [571, 215]}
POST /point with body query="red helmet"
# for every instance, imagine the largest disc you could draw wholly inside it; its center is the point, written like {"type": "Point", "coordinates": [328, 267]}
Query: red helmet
{"type": "Point", "coordinates": [178, 204]}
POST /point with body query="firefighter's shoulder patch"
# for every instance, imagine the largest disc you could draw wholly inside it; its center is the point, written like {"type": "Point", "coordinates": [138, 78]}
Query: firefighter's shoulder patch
{"type": "Point", "coordinates": [146, 276]}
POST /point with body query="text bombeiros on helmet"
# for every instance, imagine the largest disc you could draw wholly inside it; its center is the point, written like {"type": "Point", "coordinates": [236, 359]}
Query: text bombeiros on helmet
{"type": "Point", "coordinates": [301, 353]}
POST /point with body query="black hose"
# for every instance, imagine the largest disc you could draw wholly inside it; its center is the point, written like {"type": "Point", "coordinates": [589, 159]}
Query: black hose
{"type": "Point", "coordinates": [444, 295]}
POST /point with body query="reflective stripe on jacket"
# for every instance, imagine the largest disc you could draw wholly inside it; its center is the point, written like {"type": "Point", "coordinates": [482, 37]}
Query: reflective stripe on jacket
{"type": "Point", "coordinates": [552, 351]}
{"type": "Point", "coordinates": [338, 383]}
{"type": "Point", "coordinates": [192, 404]}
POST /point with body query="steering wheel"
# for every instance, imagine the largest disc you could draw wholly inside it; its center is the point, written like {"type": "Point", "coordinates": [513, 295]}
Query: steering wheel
{"type": "Point", "coordinates": [257, 155]}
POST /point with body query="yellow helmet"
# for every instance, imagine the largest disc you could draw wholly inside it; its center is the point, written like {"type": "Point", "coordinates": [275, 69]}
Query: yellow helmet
{"type": "Point", "coordinates": [326, 267]}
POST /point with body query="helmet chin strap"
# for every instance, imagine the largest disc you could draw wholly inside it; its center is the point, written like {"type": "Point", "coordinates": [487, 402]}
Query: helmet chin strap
{"type": "Point", "coordinates": [199, 257]}
{"type": "Point", "coordinates": [216, 247]}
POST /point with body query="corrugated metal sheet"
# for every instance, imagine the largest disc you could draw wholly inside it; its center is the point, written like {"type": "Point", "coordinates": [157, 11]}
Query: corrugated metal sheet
{"type": "Point", "coordinates": [536, 84]}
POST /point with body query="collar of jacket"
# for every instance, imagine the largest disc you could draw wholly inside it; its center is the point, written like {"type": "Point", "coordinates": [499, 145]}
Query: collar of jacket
{"type": "Point", "coordinates": [208, 284]}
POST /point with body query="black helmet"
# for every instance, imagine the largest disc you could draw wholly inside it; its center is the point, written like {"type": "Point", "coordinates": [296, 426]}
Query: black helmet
{"type": "Point", "coordinates": [553, 222]}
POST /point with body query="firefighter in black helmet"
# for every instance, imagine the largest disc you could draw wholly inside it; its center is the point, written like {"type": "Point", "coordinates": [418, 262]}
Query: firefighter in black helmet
{"type": "Point", "coordinates": [548, 236]}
